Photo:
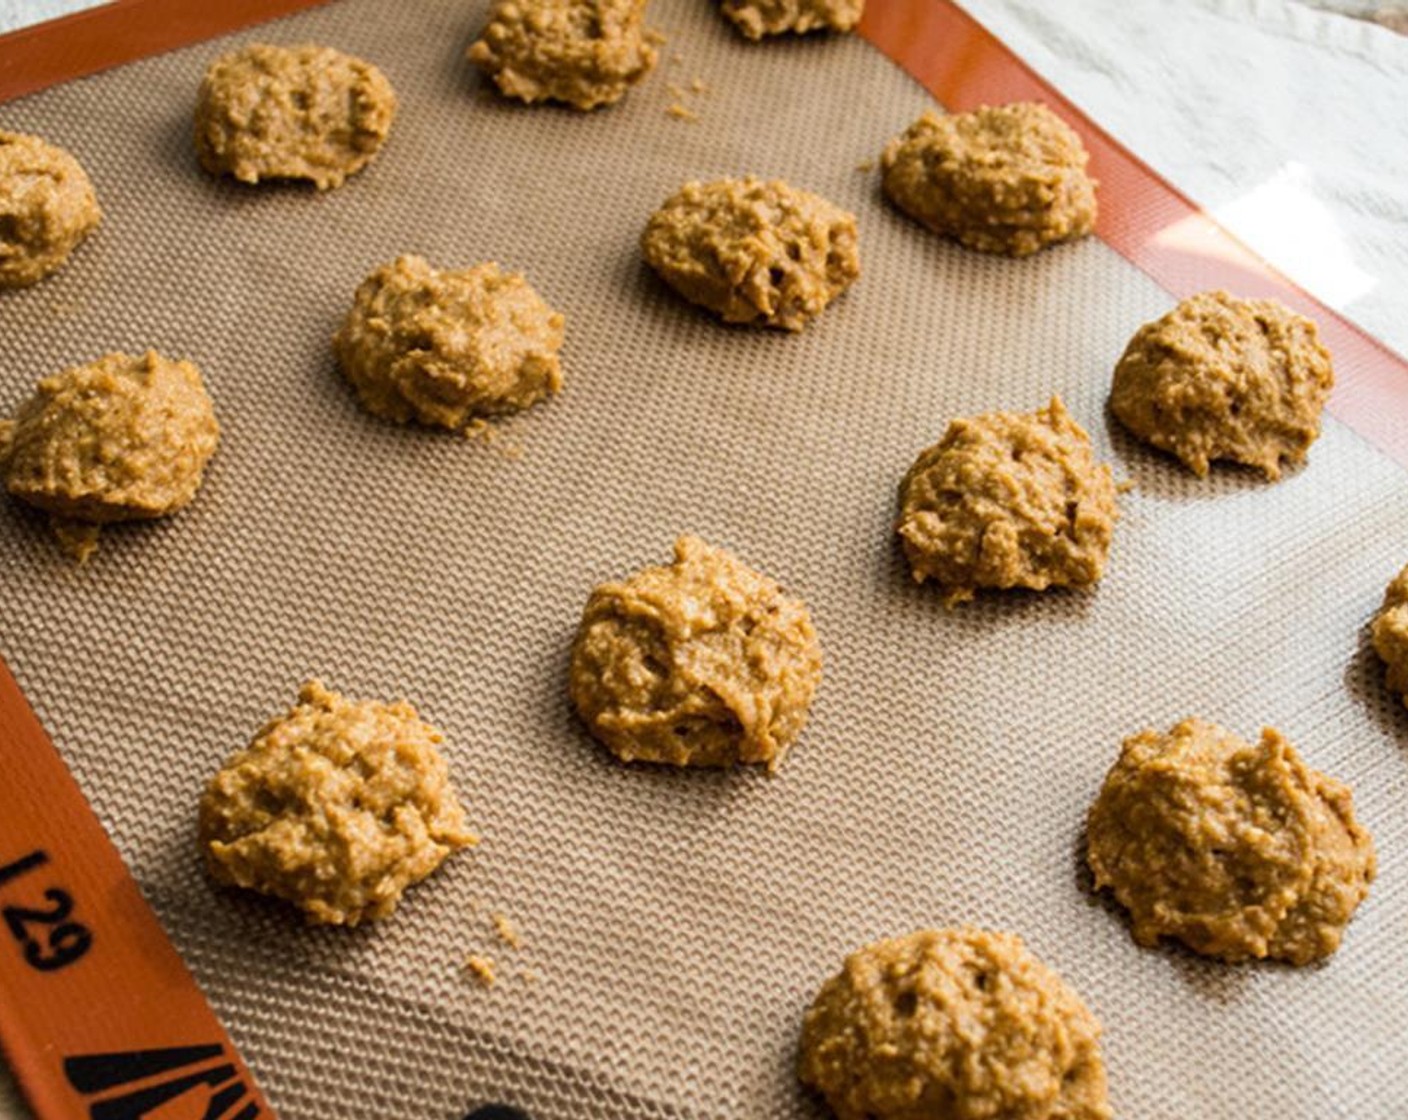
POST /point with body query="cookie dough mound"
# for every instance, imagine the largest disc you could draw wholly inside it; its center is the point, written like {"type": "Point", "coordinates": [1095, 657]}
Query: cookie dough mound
{"type": "Point", "coordinates": [584, 53]}
{"type": "Point", "coordinates": [1390, 634]}
{"type": "Point", "coordinates": [704, 662]}
{"type": "Point", "coordinates": [448, 347]}
{"type": "Point", "coordinates": [1007, 179]}
{"type": "Point", "coordinates": [337, 806]}
{"type": "Point", "coordinates": [1008, 500]}
{"type": "Point", "coordinates": [305, 112]}
{"type": "Point", "coordinates": [1225, 378]}
{"type": "Point", "coordinates": [756, 18]}
{"type": "Point", "coordinates": [47, 206]}
{"type": "Point", "coordinates": [1238, 850]}
{"type": "Point", "coordinates": [121, 439]}
{"type": "Point", "coordinates": [956, 1024]}
{"type": "Point", "coordinates": [753, 251]}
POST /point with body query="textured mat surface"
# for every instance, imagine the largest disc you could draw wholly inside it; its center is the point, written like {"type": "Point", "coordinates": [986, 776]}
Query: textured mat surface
{"type": "Point", "coordinates": [678, 924]}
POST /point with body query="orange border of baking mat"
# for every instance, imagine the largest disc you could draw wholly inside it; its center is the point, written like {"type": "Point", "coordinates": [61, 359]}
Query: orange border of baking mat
{"type": "Point", "coordinates": [1142, 218]}
{"type": "Point", "coordinates": [98, 1015]}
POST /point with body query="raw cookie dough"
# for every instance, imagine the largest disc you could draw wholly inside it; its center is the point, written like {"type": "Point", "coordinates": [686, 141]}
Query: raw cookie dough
{"type": "Point", "coordinates": [753, 251]}
{"type": "Point", "coordinates": [756, 18]}
{"type": "Point", "coordinates": [704, 662]}
{"type": "Point", "coordinates": [305, 112]}
{"type": "Point", "coordinates": [1008, 500]}
{"type": "Point", "coordinates": [1006, 179]}
{"type": "Point", "coordinates": [1238, 850]}
{"type": "Point", "coordinates": [584, 53]}
{"type": "Point", "coordinates": [955, 1024]}
{"type": "Point", "coordinates": [122, 439]}
{"type": "Point", "coordinates": [47, 206]}
{"type": "Point", "coordinates": [448, 347]}
{"type": "Point", "coordinates": [1390, 633]}
{"type": "Point", "coordinates": [1225, 378]}
{"type": "Point", "coordinates": [337, 806]}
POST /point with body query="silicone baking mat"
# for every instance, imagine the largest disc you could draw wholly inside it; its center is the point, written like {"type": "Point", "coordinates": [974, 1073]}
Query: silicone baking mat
{"type": "Point", "coordinates": [675, 925]}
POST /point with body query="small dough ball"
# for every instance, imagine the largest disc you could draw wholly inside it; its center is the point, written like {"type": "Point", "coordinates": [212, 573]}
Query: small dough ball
{"type": "Point", "coordinates": [756, 18]}
{"type": "Point", "coordinates": [704, 662]}
{"type": "Point", "coordinates": [337, 806]}
{"type": "Point", "coordinates": [1390, 633]}
{"type": "Point", "coordinates": [305, 112]}
{"type": "Point", "coordinates": [752, 251]}
{"type": "Point", "coordinates": [1007, 179]}
{"type": "Point", "coordinates": [121, 439]}
{"type": "Point", "coordinates": [449, 347]}
{"type": "Point", "coordinates": [1225, 378]}
{"type": "Point", "coordinates": [584, 53]}
{"type": "Point", "coordinates": [47, 206]}
{"type": "Point", "coordinates": [1008, 500]}
{"type": "Point", "coordinates": [1238, 850]}
{"type": "Point", "coordinates": [955, 1024]}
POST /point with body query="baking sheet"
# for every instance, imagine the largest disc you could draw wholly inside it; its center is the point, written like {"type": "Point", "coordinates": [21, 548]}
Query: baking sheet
{"type": "Point", "coordinates": [678, 924]}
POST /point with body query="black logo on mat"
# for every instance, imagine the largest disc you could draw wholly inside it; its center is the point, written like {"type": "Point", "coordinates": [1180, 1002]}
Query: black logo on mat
{"type": "Point", "coordinates": [131, 1084]}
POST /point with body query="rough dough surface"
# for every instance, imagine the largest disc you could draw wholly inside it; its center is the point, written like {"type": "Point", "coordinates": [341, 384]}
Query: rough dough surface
{"type": "Point", "coordinates": [1008, 500]}
{"type": "Point", "coordinates": [584, 53]}
{"type": "Point", "coordinates": [703, 662]}
{"type": "Point", "coordinates": [1390, 633]}
{"type": "Point", "coordinates": [47, 206]}
{"type": "Point", "coordinates": [448, 347]}
{"type": "Point", "coordinates": [122, 439]}
{"type": "Point", "coordinates": [304, 112]}
{"type": "Point", "coordinates": [1238, 850]}
{"type": "Point", "coordinates": [756, 18]}
{"type": "Point", "coordinates": [753, 251]}
{"type": "Point", "coordinates": [1225, 378]}
{"type": "Point", "coordinates": [956, 1024]}
{"type": "Point", "coordinates": [1007, 179]}
{"type": "Point", "coordinates": [336, 806]}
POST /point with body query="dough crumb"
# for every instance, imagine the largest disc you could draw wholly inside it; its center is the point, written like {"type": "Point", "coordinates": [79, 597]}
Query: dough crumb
{"type": "Point", "coordinates": [481, 969]}
{"type": "Point", "coordinates": [753, 251]}
{"type": "Point", "coordinates": [703, 662]}
{"type": "Point", "coordinates": [47, 208]}
{"type": "Point", "coordinates": [528, 976]}
{"type": "Point", "coordinates": [955, 1023]}
{"type": "Point", "coordinates": [303, 112]}
{"type": "Point", "coordinates": [1008, 500]}
{"type": "Point", "coordinates": [1240, 851]}
{"type": "Point", "coordinates": [866, 166]}
{"type": "Point", "coordinates": [680, 113]}
{"type": "Point", "coordinates": [756, 18]}
{"type": "Point", "coordinates": [506, 931]}
{"type": "Point", "coordinates": [582, 53]}
{"type": "Point", "coordinates": [120, 439]}
{"type": "Point", "coordinates": [1008, 179]}
{"type": "Point", "coordinates": [1225, 378]}
{"type": "Point", "coordinates": [449, 348]}
{"type": "Point", "coordinates": [337, 806]}
{"type": "Point", "coordinates": [697, 85]}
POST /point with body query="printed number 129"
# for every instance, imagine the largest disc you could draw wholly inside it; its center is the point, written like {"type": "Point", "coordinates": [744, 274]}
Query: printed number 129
{"type": "Point", "coordinates": [48, 940]}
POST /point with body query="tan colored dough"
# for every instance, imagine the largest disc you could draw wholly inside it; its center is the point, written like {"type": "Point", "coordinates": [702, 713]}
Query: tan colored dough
{"type": "Point", "coordinates": [1240, 851]}
{"type": "Point", "coordinates": [955, 1024]}
{"type": "Point", "coordinates": [754, 252]}
{"type": "Point", "coordinates": [47, 206]}
{"type": "Point", "coordinates": [756, 18]}
{"type": "Point", "coordinates": [120, 439]}
{"type": "Point", "coordinates": [583, 53]}
{"type": "Point", "coordinates": [304, 112]}
{"type": "Point", "coordinates": [1008, 500]}
{"type": "Point", "coordinates": [704, 662]}
{"type": "Point", "coordinates": [1002, 179]}
{"type": "Point", "coordinates": [1225, 378]}
{"type": "Point", "coordinates": [1390, 633]}
{"type": "Point", "coordinates": [448, 347]}
{"type": "Point", "coordinates": [337, 806]}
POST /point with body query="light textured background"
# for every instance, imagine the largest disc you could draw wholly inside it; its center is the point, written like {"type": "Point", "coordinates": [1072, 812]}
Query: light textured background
{"type": "Point", "coordinates": [679, 922]}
